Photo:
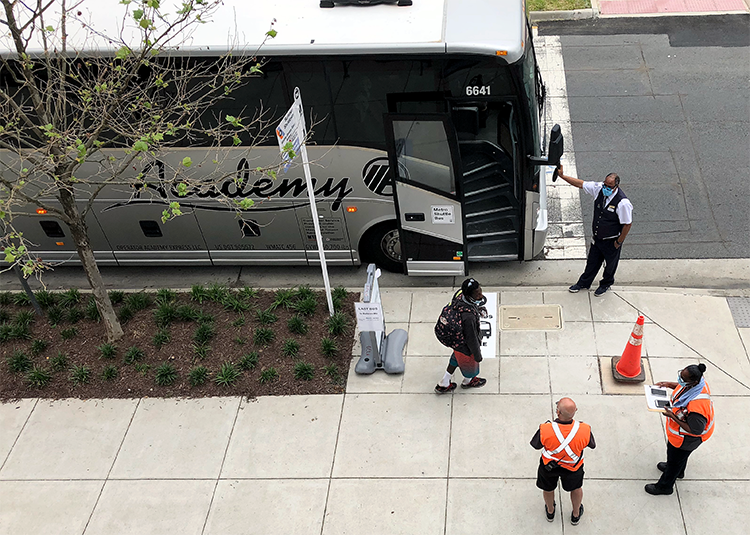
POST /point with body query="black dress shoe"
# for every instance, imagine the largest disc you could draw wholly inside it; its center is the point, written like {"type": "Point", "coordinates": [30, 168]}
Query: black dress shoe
{"type": "Point", "coordinates": [663, 467]}
{"type": "Point", "coordinates": [656, 491]}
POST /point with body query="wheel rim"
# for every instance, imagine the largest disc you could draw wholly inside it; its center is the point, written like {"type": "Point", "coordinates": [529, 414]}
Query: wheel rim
{"type": "Point", "coordinates": [390, 245]}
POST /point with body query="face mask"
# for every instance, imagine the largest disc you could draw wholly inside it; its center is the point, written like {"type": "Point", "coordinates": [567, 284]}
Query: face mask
{"type": "Point", "coordinates": [680, 380]}
{"type": "Point", "coordinates": [607, 191]}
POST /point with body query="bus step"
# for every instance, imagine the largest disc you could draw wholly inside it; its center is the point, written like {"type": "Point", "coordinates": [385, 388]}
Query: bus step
{"type": "Point", "coordinates": [490, 204]}
{"type": "Point", "coordinates": [492, 249]}
{"type": "Point", "coordinates": [492, 225]}
{"type": "Point", "coordinates": [480, 169]}
{"type": "Point", "coordinates": [494, 258]}
{"type": "Point", "coordinates": [488, 185]}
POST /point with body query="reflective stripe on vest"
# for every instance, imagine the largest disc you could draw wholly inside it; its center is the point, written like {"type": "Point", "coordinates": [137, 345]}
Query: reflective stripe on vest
{"type": "Point", "coordinates": [564, 444]}
{"type": "Point", "coordinates": [709, 425]}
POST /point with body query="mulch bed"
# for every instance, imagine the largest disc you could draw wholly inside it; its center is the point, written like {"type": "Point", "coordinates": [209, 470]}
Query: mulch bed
{"type": "Point", "coordinates": [231, 341]}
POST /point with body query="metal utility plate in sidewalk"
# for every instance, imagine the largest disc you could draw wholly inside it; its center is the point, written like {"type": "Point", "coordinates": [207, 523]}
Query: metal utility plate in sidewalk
{"type": "Point", "coordinates": [740, 307]}
{"type": "Point", "coordinates": [531, 318]}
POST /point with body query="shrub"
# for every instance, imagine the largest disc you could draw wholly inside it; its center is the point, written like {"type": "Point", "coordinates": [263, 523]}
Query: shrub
{"type": "Point", "coordinates": [247, 293]}
{"type": "Point", "coordinates": [161, 338]}
{"type": "Point", "coordinates": [109, 373]}
{"type": "Point", "coordinates": [332, 371]}
{"type": "Point", "coordinates": [107, 350]}
{"type": "Point", "coordinates": [19, 332]}
{"type": "Point", "coordinates": [6, 332]}
{"type": "Point", "coordinates": [59, 362]}
{"type": "Point", "coordinates": [75, 315]}
{"type": "Point", "coordinates": [304, 292]}
{"type": "Point", "coordinates": [45, 298]}
{"type": "Point", "coordinates": [133, 355]}
{"type": "Point", "coordinates": [232, 302]}
{"type": "Point", "coordinates": [201, 350]}
{"type": "Point", "coordinates": [19, 362]}
{"type": "Point", "coordinates": [248, 361]}
{"type": "Point", "coordinates": [21, 299]}
{"type": "Point", "coordinates": [166, 375]}
{"type": "Point", "coordinates": [204, 333]}
{"type": "Point", "coordinates": [187, 313]}
{"type": "Point", "coordinates": [266, 317]}
{"type": "Point", "coordinates": [337, 304]}
{"type": "Point", "coordinates": [268, 375]}
{"type": "Point", "coordinates": [116, 297]}
{"type": "Point", "coordinates": [125, 314]}
{"type": "Point", "coordinates": [290, 348]}
{"type": "Point", "coordinates": [263, 336]}
{"type": "Point", "coordinates": [297, 325]}
{"type": "Point", "coordinates": [4, 315]}
{"type": "Point", "coordinates": [218, 292]}
{"type": "Point", "coordinates": [304, 371]}
{"type": "Point", "coordinates": [337, 324]}
{"type": "Point", "coordinates": [339, 293]}
{"type": "Point", "coordinates": [69, 333]}
{"type": "Point", "coordinates": [328, 347]}
{"type": "Point", "coordinates": [165, 314]}
{"type": "Point", "coordinates": [198, 376]}
{"type": "Point", "coordinates": [306, 306]}
{"type": "Point", "coordinates": [138, 301]}
{"type": "Point", "coordinates": [204, 317]}
{"type": "Point", "coordinates": [198, 293]}
{"type": "Point", "coordinates": [227, 375]}
{"type": "Point", "coordinates": [38, 346]}
{"type": "Point", "coordinates": [165, 295]}
{"type": "Point", "coordinates": [55, 315]}
{"type": "Point", "coordinates": [24, 318]}
{"type": "Point", "coordinates": [284, 297]}
{"type": "Point", "coordinates": [6, 298]}
{"type": "Point", "coordinates": [92, 311]}
{"type": "Point", "coordinates": [38, 377]}
{"type": "Point", "coordinates": [70, 297]}
{"type": "Point", "coordinates": [80, 375]}
{"type": "Point", "coordinates": [240, 321]}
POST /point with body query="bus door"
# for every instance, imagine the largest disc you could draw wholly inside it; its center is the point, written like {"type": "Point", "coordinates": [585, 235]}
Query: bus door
{"type": "Point", "coordinates": [423, 151]}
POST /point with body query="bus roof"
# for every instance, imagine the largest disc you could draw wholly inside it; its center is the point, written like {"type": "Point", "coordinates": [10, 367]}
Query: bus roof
{"type": "Point", "coordinates": [487, 27]}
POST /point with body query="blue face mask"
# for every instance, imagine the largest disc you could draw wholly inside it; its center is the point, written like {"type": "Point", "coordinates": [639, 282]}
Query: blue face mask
{"type": "Point", "coordinates": [680, 380]}
{"type": "Point", "coordinates": [607, 191]}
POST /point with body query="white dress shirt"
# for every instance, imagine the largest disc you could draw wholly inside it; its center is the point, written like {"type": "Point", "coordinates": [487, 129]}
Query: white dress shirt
{"type": "Point", "coordinates": [624, 208]}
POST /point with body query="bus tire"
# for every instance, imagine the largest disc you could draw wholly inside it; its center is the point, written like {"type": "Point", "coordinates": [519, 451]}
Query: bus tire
{"type": "Point", "coordinates": [381, 245]}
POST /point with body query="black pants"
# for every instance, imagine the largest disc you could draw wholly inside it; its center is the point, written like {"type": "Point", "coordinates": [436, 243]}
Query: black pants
{"type": "Point", "coordinates": [676, 462]}
{"type": "Point", "coordinates": [601, 251]}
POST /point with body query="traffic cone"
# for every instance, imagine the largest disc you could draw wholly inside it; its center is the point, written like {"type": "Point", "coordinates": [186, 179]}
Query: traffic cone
{"type": "Point", "coordinates": [628, 368]}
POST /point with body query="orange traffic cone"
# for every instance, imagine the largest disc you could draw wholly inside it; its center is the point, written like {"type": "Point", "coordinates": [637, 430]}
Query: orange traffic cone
{"type": "Point", "coordinates": [628, 368]}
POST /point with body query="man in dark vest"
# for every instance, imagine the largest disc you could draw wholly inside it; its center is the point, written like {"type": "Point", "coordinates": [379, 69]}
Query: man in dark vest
{"type": "Point", "coordinates": [613, 217]}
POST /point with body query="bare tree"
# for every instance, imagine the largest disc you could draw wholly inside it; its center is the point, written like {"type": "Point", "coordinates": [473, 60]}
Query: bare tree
{"type": "Point", "coordinates": [81, 116]}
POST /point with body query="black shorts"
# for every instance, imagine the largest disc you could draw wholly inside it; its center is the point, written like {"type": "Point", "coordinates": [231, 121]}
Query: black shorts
{"type": "Point", "coordinates": [548, 480]}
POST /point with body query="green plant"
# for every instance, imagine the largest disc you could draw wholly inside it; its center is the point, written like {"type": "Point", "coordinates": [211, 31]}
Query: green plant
{"type": "Point", "coordinates": [304, 371]}
{"type": "Point", "coordinates": [21, 299]}
{"type": "Point", "coordinates": [232, 302]}
{"type": "Point", "coordinates": [38, 377]}
{"type": "Point", "coordinates": [165, 295]}
{"type": "Point", "coordinates": [201, 350]}
{"type": "Point", "coordinates": [284, 297]}
{"type": "Point", "coordinates": [306, 306]}
{"type": "Point", "coordinates": [328, 347]}
{"type": "Point", "coordinates": [6, 298]}
{"type": "Point", "coordinates": [107, 350]}
{"type": "Point", "coordinates": [19, 362]}
{"type": "Point", "coordinates": [247, 293]}
{"type": "Point", "coordinates": [332, 371]}
{"type": "Point", "coordinates": [142, 368]}
{"type": "Point", "coordinates": [75, 314]}
{"type": "Point", "coordinates": [38, 347]}
{"type": "Point", "coordinates": [92, 311]}
{"type": "Point", "coordinates": [290, 348]}
{"type": "Point", "coordinates": [70, 297]}
{"type": "Point", "coordinates": [80, 375]}
{"type": "Point", "coordinates": [45, 298]}
{"type": "Point", "coordinates": [138, 301]}
{"type": "Point", "coordinates": [55, 315]}
{"type": "Point", "coordinates": [166, 375]}
{"type": "Point", "coordinates": [268, 375]}
{"type": "Point", "coordinates": [337, 324]}
{"type": "Point", "coordinates": [218, 292]}
{"type": "Point", "coordinates": [248, 361]}
{"type": "Point", "coordinates": [198, 293]}
{"type": "Point", "coordinates": [339, 293]}
{"type": "Point", "coordinates": [204, 333]}
{"type": "Point", "coordinates": [240, 341]}
{"type": "Point", "coordinates": [204, 317]}
{"type": "Point", "coordinates": [304, 292]}
{"type": "Point", "coordinates": [109, 373]}
{"type": "Point", "coordinates": [266, 317]}
{"type": "Point", "coordinates": [239, 321]}
{"type": "Point", "coordinates": [198, 376]}
{"type": "Point", "coordinates": [59, 362]}
{"type": "Point", "coordinates": [24, 318]}
{"type": "Point", "coordinates": [161, 338]}
{"type": "Point", "coordinates": [165, 314]}
{"type": "Point", "coordinates": [4, 315]}
{"type": "Point", "coordinates": [187, 313]}
{"type": "Point", "coordinates": [263, 336]}
{"type": "Point", "coordinates": [19, 332]}
{"type": "Point", "coordinates": [69, 333]}
{"type": "Point", "coordinates": [133, 355]}
{"type": "Point", "coordinates": [116, 297]}
{"type": "Point", "coordinates": [125, 314]}
{"type": "Point", "coordinates": [227, 375]}
{"type": "Point", "coordinates": [6, 332]}
{"type": "Point", "coordinates": [337, 304]}
{"type": "Point", "coordinates": [297, 325]}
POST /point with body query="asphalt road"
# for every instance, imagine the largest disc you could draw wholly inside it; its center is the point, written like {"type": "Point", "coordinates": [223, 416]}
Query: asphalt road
{"type": "Point", "coordinates": [664, 103]}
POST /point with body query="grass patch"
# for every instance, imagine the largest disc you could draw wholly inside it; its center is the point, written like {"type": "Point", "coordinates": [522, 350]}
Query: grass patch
{"type": "Point", "coordinates": [268, 375]}
{"type": "Point", "coordinates": [239, 321]}
{"type": "Point", "coordinates": [304, 371]}
{"type": "Point", "coordinates": [306, 307]}
{"type": "Point", "coordinates": [59, 363]}
{"type": "Point", "coordinates": [240, 341]}
{"type": "Point", "coordinates": [165, 314]}
{"type": "Point", "coordinates": [198, 376]}
{"type": "Point", "coordinates": [142, 368]}
{"type": "Point", "coordinates": [166, 375]}
{"type": "Point", "coordinates": [38, 347]}
{"type": "Point", "coordinates": [45, 298]}
{"type": "Point", "coordinates": [218, 292]}
{"type": "Point", "coordinates": [138, 301]}
{"type": "Point", "coordinates": [227, 375]}
{"type": "Point", "coordinates": [4, 315]}
{"type": "Point", "coordinates": [249, 361]}
{"type": "Point", "coordinates": [92, 311]}
{"type": "Point", "coordinates": [198, 293]}
{"type": "Point", "coordinates": [21, 299]}
{"type": "Point", "coordinates": [204, 333]}
{"type": "Point", "coordinates": [297, 325]}
{"type": "Point", "coordinates": [75, 315]}
{"type": "Point", "coordinates": [263, 336]}
{"type": "Point", "coordinates": [109, 373]}
{"type": "Point", "coordinates": [201, 350]}
{"type": "Point", "coordinates": [247, 293]}
{"type": "Point", "coordinates": [284, 298]}
{"type": "Point", "coordinates": [332, 371]}
{"type": "Point", "coordinates": [38, 377]}
{"type": "Point", "coordinates": [337, 324]}
{"type": "Point", "coordinates": [69, 333]}
{"type": "Point", "coordinates": [232, 302]}
{"type": "Point", "coordinates": [133, 355]}
{"type": "Point", "coordinates": [70, 297]}
{"type": "Point", "coordinates": [107, 350]}
{"type": "Point", "coordinates": [557, 5]}
{"type": "Point", "coordinates": [266, 317]}
{"type": "Point", "coordinates": [19, 362]}
{"type": "Point", "coordinates": [24, 318]}
{"type": "Point", "coordinates": [125, 314]}
{"type": "Point", "coordinates": [55, 315]}
{"type": "Point", "coordinates": [6, 298]}
{"type": "Point", "coordinates": [161, 338]}
{"type": "Point", "coordinates": [80, 375]}
{"type": "Point", "coordinates": [187, 313]}
{"type": "Point", "coordinates": [116, 297]}
{"type": "Point", "coordinates": [290, 348]}
{"type": "Point", "coordinates": [165, 295]}
{"type": "Point", "coordinates": [328, 347]}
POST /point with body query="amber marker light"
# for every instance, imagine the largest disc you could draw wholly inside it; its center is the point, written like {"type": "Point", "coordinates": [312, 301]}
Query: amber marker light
{"type": "Point", "coordinates": [59, 243]}
{"type": "Point", "coordinates": [41, 211]}
{"type": "Point", "coordinates": [501, 52]}
{"type": "Point", "coordinates": [351, 209]}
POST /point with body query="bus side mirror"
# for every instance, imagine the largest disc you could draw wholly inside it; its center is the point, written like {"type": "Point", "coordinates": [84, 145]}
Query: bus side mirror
{"type": "Point", "coordinates": [555, 151]}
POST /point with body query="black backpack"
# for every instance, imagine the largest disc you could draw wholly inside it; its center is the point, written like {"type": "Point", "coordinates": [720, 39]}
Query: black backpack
{"type": "Point", "coordinates": [449, 327]}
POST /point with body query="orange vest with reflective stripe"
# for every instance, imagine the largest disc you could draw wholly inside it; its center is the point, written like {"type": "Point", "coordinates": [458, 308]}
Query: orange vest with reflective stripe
{"type": "Point", "coordinates": [552, 443]}
{"type": "Point", "coordinates": [703, 406]}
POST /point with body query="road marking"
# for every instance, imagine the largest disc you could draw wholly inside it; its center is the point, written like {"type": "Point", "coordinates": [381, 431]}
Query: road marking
{"type": "Point", "coordinates": [565, 237]}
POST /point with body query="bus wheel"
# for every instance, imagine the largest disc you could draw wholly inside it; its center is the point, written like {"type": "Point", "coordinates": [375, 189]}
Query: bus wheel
{"type": "Point", "coordinates": [381, 245]}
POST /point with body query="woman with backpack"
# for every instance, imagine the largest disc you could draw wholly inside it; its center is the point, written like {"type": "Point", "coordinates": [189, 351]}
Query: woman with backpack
{"type": "Point", "coordinates": [458, 328]}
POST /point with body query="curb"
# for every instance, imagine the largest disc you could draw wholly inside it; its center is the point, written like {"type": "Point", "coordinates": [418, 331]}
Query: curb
{"type": "Point", "coordinates": [576, 14]}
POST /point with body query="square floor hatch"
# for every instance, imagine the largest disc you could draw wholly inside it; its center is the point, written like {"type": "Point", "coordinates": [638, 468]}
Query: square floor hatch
{"type": "Point", "coordinates": [531, 318]}
{"type": "Point", "coordinates": [740, 307]}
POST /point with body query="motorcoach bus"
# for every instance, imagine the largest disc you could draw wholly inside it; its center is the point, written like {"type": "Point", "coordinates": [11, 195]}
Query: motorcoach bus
{"type": "Point", "coordinates": [427, 148]}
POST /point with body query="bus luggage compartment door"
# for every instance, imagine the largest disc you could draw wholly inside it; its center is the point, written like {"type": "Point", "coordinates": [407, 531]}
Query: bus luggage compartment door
{"type": "Point", "coordinates": [423, 151]}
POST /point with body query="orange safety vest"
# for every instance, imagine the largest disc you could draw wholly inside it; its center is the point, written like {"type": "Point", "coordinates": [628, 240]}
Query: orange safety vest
{"type": "Point", "coordinates": [564, 443]}
{"type": "Point", "coordinates": [703, 405]}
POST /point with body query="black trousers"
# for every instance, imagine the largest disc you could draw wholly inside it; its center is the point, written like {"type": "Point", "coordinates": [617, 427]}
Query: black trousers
{"type": "Point", "coordinates": [676, 462]}
{"type": "Point", "coordinates": [601, 251]}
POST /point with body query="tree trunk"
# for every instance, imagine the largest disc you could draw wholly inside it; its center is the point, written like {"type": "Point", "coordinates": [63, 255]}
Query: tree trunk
{"type": "Point", "coordinates": [80, 237]}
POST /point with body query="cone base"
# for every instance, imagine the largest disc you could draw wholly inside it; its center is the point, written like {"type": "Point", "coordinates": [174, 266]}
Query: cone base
{"type": "Point", "coordinates": [620, 378]}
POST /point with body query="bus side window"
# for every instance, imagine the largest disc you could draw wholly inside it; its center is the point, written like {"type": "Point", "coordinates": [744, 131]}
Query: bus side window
{"type": "Point", "coordinates": [52, 229]}
{"type": "Point", "coordinates": [249, 228]}
{"type": "Point", "coordinates": [150, 229]}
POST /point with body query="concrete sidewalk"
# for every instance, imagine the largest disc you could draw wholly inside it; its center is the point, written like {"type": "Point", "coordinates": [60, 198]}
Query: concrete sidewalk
{"type": "Point", "coordinates": [390, 456]}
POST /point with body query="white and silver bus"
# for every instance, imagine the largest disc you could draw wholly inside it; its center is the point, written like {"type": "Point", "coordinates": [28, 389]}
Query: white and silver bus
{"type": "Point", "coordinates": [427, 152]}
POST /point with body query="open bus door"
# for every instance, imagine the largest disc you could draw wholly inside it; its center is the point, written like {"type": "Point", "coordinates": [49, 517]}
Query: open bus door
{"type": "Point", "coordinates": [424, 156]}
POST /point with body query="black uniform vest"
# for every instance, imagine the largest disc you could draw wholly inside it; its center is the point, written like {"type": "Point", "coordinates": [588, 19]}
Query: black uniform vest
{"type": "Point", "coordinates": [606, 224]}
